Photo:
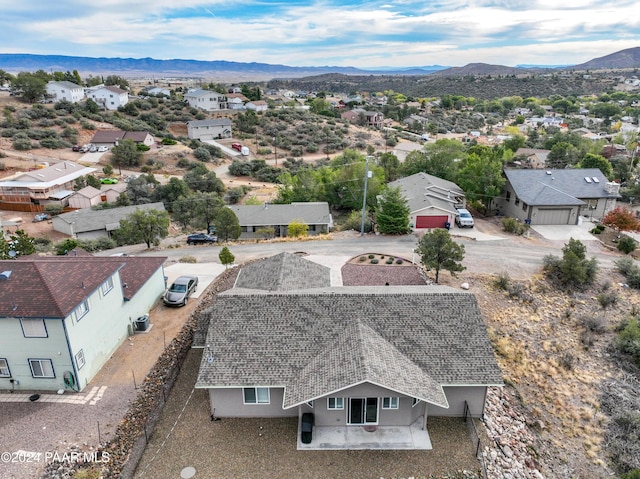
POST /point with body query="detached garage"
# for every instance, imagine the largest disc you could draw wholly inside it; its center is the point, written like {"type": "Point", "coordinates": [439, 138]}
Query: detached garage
{"type": "Point", "coordinates": [432, 201]}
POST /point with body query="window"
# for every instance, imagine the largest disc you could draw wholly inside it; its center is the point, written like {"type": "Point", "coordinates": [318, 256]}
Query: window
{"type": "Point", "coordinates": [34, 328]}
{"type": "Point", "coordinates": [107, 286]}
{"type": "Point", "coordinates": [82, 309]}
{"type": "Point", "coordinates": [41, 368]}
{"type": "Point", "coordinates": [335, 403]}
{"type": "Point", "coordinates": [80, 359]}
{"type": "Point", "coordinates": [256, 395]}
{"type": "Point", "coordinates": [524, 206]}
{"type": "Point", "coordinates": [4, 368]}
{"type": "Point", "coordinates": [517, 201]}
{"type": "Point", "coordinates": [508, 197]}
{"type": "Point", "coordinates": [390, 403]}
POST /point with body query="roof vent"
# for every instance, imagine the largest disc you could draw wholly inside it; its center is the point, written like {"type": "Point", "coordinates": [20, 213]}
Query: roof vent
{"type": "Point", "coordinates": [595, 179]}
{"type": "Point", "coordinates": [549, 172]}
{"type": "Point", "coordinates": [5, 274]}
{"type": "Point", "coordinates": [587, 179]}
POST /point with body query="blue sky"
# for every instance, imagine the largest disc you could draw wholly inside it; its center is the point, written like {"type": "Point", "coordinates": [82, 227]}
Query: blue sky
{"type": "Point", "coordinates": [363, 34]}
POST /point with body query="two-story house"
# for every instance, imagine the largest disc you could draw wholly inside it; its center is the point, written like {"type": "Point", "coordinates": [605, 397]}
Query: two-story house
{"type": "Point", "coordinates": [64, 90]}
{"type": "Point", "coordinates": [109, 97]}
{"type": "Point", "coordinates": [207, 100]}
{"type": "Point", "coordinates": [62, 317]}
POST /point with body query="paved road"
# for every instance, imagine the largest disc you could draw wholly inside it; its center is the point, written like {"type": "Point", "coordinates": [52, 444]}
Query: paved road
{"type": "Point", "coordinates": [520, 257]}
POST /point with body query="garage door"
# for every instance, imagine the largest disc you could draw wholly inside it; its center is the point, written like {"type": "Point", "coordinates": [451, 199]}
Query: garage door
{"type": "Point", "coordinates": [553, 216]}
{"type": "Point", "coordinates": [431, 221]}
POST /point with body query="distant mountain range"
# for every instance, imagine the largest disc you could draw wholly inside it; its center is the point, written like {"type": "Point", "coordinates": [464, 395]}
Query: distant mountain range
{"type": "Point", "coordinates": [238, 71]}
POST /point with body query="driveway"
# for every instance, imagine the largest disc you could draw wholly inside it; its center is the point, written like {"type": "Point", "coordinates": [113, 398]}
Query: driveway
{"type": "Point", "coordinates": [566, 232]}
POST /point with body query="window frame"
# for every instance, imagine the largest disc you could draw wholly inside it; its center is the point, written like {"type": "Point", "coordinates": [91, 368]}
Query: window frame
{"type": "Point", "coordinates": [5, 367]}
{"type": "Point", "coordinates": [32, 321]}
{"type": "Point", "coordinates": [78, 308]}
{"type": "Point", "coordinates": [41, 361]}
{"type": "Point", "coordinates": [256, 395]}
{"type": "Point", "coordinates": [78, 356]}
{"type": "Point", "coordinates": [336, 406]}
{"type": "Point", "coordinates": [107, 286]}
{"type": "Point", "coordinates": [393, 402]}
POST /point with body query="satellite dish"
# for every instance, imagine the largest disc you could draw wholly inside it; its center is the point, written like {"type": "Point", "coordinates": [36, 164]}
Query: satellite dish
{"type": "Point", "coordinates": [13, 254]}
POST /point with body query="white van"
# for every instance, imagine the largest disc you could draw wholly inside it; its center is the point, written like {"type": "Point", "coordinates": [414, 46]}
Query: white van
{"type": "Point", "coordinates": [244, 151]}
{"type": "Point", "coordinates": [464, 218]}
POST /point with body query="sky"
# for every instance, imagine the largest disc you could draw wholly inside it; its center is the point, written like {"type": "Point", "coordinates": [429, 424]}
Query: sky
{"type": "Point", "coordinates": [362, 34]}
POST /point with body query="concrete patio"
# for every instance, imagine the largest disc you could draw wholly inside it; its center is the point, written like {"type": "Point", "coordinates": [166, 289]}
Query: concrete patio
{"type": "Point", "coordinates": [356, 437]}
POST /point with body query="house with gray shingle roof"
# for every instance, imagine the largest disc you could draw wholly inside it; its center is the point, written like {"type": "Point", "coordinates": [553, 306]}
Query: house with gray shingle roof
{"type": "Point", "coordinates": [64, 91]}
{"type": "Point", "coordinates": [357, 358]}
{"type": "Point", "coordinates": [253, 218]}
{"type": "Point", "coordinates": [557, 197]}
{"type": "Point", "coordinates": [87, 223]}
{"type": "Point", "coordinates": [432, 201]}
{"type": "Point", "coordinates": [63, 317]}
{"type": "Point", "coordinates": [210, 129]}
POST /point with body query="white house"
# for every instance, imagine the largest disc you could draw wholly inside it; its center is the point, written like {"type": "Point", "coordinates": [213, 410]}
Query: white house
{"type": "Point", "coordinates": [258, 105]}
{"type": "Point", "coordinates": [63, 317]}
{"type": "Point", "coordinates": [207, 100]}
{"type": "Point", "coordinates": [209, 129]}
{"type": "Point", "coordinates": [65, 90]}
{"type": "Point", "coordinates": [156, 90]}
{"type": "Point", "coordinates": [109, 97]}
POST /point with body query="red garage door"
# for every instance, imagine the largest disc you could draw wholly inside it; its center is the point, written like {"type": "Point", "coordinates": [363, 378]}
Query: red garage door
{"type": "Point", "coordinates": [431, 221]}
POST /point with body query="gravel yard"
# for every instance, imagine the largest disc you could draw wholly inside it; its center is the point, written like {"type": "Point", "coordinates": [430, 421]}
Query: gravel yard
{"type": "Point", "coordinates": [185, 436]}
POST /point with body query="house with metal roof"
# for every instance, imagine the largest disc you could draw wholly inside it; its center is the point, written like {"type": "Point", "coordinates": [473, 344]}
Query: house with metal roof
{"type": "Point", "coordinates": [432, 201]}
{"type": "Point", "coordinates": [62, 317]}
{"type": "Point", "coordinates": [88, 223]}
{"type": "Point", "coordinates": [360, 359]}
{"type": "Point", "coordinates": [253, 218]}
{"type": "Point", "coordinates": [32, 190]}
{"type": "Point", "coordinates": [557, 197]}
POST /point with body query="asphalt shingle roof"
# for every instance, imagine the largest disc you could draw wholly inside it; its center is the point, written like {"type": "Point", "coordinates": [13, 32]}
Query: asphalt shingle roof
{"type": "Point", "coordinates": [412, 339]}
{"type": "Point", "coordinates": [312, 213]}
{"type": "Point", "coordinates": [88, 219]}
{"type": "Point", "coordinates": [284, 271]}
{"type": "Point", "coordinates": [51, 287]}
{"type": "Point", "coordinates": [558, 187]}
{"type": "Point", "coordinates": [422, 191]}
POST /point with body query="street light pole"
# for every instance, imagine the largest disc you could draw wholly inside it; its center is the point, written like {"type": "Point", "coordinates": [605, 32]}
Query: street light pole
{"type": "Point", "coordinates": [364, 199]}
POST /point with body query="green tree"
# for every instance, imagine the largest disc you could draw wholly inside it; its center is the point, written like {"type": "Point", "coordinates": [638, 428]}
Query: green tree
{"type": "Point", "coordinates": [107, 170]}
{"type": "Point", "coordinates": [22, 243]}
{"type": "Point", "coordinates": [600, 162]}
{"type": "Point", "coordinates": [438, 251]}
{"type": "Point", "coordinates": [206, 207]}
{"type": "Point", "coordinates": [117, 81]}
{"type": "Point", "coordinates": [392, 213]}
{"type": "Point", "coordinates": [574, 270]}
{"type": "Point", "coordinates": [93, 181]}
{"type": "Point", "coordinates": [143, 226]}
{"type": "Point", "coordinates": [199, 178]}
{"type": "Point", "coordinates": [226, 257]}
{"type": "Point", "coordinates": [29, 86]}
{"type": "Point", "coordinates": [125, 153]}
{"type": "Point", "coordinates": [66, 246]}
{"type": "Point", "coordinates": [140, 189]}
{"type": "Point", "coordinates": [297, 229]}
{"type": "Point", "coordinates": [170, 192]}
{"type": "Point", "coordinates": [227, 225]}
{"type": "Point", "coordinates": [481, 175]}
{"type": "Point", "coordinates": [91, 106]}
{"type": "Point", "coordinates": [391, 166]}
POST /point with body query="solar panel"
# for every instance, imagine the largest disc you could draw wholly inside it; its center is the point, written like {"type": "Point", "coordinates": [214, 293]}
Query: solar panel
{"type": "Point", "coordinates": [587, 179]}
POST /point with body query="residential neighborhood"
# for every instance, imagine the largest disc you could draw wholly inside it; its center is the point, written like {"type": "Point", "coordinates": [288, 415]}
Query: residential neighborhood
{"type": "Point", "coordinates": [387, 278]}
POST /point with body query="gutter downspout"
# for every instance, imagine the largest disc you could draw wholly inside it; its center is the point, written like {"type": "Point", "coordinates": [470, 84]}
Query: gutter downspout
{"type": "Point", "coordinates": [73, 364]}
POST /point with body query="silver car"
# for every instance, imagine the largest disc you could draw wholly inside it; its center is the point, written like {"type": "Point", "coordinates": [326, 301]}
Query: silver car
{"type": "Point", "coordinates": [180, 290]}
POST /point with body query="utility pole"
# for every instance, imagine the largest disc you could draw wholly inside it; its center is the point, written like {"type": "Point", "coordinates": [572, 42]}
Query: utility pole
{"type": "Point", "coordinates": [275, 150]}
{"type": "Point", "coordinates": [364, 199]}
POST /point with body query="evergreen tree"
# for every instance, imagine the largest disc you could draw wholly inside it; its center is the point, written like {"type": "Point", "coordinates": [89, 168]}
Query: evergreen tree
{"type": "Point", "coordinates": [392, 213]}
{"type": "Point", "coordinates": [227, 225]}
{"type": "Point", "coordinates": [438, 251]}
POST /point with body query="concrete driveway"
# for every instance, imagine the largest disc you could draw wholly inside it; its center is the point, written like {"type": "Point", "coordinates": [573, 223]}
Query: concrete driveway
{"type": "Point", "coordinates": [566, 232]}
{"type": "Point", "coordinates": [206, 273]}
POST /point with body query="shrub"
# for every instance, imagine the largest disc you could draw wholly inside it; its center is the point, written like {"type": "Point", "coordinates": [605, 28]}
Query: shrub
{"type": "Point", "coordinates": [389, 261]}
{"type": "Point", "coordinates": [625, 265]}
{"type": "Point", "coordinates": [513, 226]}
{"type": "Point", "coordinates": [627, 244]}
{"type": "Point", "coordinates": [202, 154]}
{"type": "Point", "coordinates": [188, 259]}
{"type": "Point", "coordinates": [362, 258]}
{"type": "Point", "coordinates": [183, 163]}
{"type": "Point", "coordinates": [607, 299]}
{"type": "Point", "coordinates": [399, 261]}
{"type": "Point", "coordinates": [65, 246]}
{"type": "Point", "coordinates": [93, 245]}
{"type": "Point", "coordinates": [594, 324]}
{"type": "Point", "coordinates": [628, 340]}
{"type": "Point", "coordinates": [374, 261]}
{"type": "Point", "coordinates": [371, 256]}
{"type": "Point", "coordinates": [503, 281]}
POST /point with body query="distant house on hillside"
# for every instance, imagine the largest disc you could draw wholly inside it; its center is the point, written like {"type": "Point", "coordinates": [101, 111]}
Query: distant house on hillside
{"type": "Point", "coordinates": [211, 129]}
{"type": "Point", "coordinates": [207, 100]}
{"type": "Point", "coordinates": [112, 137]}
{"type": "Point", "coordinates": [64, 91]}
{"type": "Point", "coordinates": [109, 97]}
{"type": "Point", "coordinates": [32, 190]}
{"type": "Point", "coordinates": [531, 157]}
{"type": "Point", "coordinates": [258, 105]}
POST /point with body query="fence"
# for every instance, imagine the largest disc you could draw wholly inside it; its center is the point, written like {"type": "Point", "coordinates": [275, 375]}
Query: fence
{"type": "Point", "coordinates": [475, 436]}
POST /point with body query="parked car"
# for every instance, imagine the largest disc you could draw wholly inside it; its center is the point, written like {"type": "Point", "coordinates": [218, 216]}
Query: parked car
{"type": "Point", "coordinates": [108, 181]}
{"type": "Point", "coordinates": [41, 217]}
{"type": "Point", "coordinates": [236, 146]}
{"type": "Point", "coordinates": [75, 148]}
{"type": "Point", "coordinates": [180, 290]}
{"type": "Point", "coordinates": [306, 428]}
{"type": "Point", "coordinates": [200, 238]}
{"type": "Point", "coordinates": [103, 148]}
{"type": "Point", "coordinates": [464, 218]}
{"type": "Point", "coordinates": [85, 148]}
{"type": "Point", "coordinates": [93, 149]}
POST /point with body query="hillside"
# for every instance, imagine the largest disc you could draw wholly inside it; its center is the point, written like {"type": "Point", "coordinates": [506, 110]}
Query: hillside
{"type": "Point", "coordinates": [629, 58]}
